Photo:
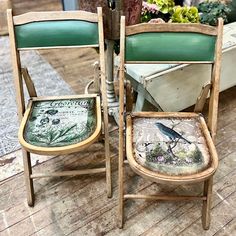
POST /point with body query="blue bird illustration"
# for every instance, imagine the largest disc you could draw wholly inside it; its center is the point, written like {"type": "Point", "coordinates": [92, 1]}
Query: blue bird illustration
{"type": "Point", "coordinates": [170, 133]}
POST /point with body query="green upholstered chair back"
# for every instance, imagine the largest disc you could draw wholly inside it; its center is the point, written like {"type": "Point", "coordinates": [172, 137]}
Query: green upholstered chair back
{"type": "Point", "coordinates": [41, 32]}
{"type": "Point", "coordinates": [56, 34]}
{"type": "Point", "coordinates": [170, 45]}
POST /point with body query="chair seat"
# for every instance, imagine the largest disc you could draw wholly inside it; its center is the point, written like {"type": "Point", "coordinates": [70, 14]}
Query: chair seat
{"type": "Point", "coordinates": [170, 145]}
{"type": "Point", "coordinates": [60, 122]}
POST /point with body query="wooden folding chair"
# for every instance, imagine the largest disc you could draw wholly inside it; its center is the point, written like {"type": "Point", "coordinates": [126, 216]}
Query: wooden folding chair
{"type": "Point", "coordinates": [171, 147]}
{"type": "Point", "coordinates": [60, 124]}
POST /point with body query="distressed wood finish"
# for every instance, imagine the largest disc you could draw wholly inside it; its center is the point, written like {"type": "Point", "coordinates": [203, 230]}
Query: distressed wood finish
{"type": "Point", "coordinates": [121, 126]}
{"type": "Point", "coordinates": [164, 114]}
{"type": "Point", "coordinates": [24, 114]}
{"type": "Point", "coordinates": [29, 83]}
{"type": "Point", "coordinates": [104, 96]}
{"type": "Point", "coordinates": [68, 173]}
{"type": "Point", "coordinates": [20, 101]}
{"type": "Point", "coordinates": [16, 67]}
{"type": "Point", "coordinates": [207, 203]}
{"type": "Point", "coordinates": [205, 176]}
{"type": "Point", "coordinates": [170, 27]}
{"type": "Point", "coordinates": [164, 197]}
{"type": "Point", "coordinates": [214, 93]}
{"type": "Point", "coordinates": [201, 100]}
{"type": "Point", "coordinates": [53, 16]}
{"type": "Point", "coordinates": [129, 96]}
{"type": "Point", "coordinates": [45, 98]}
{"type": "Point", "coordinates": [28, 180]}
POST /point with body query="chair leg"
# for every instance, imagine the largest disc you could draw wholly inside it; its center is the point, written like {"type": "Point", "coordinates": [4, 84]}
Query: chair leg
{"type": "Point", "coordinates": [108, 168]}
{"type": "Point", "coordinates": [121, 209]}
{"type": "Point", "coordinates": [121, 195]}
{"type": "Point", "coordinates": [28, 180]}
{"type": "Point", "coordinates": [206, 218]}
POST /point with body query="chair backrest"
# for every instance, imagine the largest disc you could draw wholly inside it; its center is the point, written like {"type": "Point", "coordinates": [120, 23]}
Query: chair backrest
{"type": "Point", "coordinates": [170, 43]}
{"type": "Point", "coordinates": [56, 29]}
{"type": "Point", "coordinates": [49, 30]}
{"type": "Point", "coordinates": [174, 43]}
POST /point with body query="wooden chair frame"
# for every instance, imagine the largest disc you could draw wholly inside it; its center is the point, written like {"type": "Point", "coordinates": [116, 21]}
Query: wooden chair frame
{"type": "Point", "coordinates": [126, 125]}
{"type": "Point", "coordinates": [22, 73]}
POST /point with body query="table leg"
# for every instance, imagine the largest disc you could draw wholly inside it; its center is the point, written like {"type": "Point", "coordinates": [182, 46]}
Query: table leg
{"type": "Point", "coordinates": [113, 104]}
{"type": "Point", "coordinates": [139, 102]}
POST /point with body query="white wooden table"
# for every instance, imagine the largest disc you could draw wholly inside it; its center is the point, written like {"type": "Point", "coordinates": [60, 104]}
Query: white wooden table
{"type": "Point", "coordinates": [176, 87]}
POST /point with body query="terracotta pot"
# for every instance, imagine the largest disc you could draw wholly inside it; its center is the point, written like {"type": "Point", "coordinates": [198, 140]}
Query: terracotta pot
{"type": "Point", "coordinates": [131, 9]}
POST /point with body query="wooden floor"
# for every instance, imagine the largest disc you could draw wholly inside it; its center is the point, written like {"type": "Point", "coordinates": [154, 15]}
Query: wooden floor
{"type": "Point", "coordinates": [78, 205]}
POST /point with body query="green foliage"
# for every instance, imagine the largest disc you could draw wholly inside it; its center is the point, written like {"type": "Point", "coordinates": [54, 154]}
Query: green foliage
{"type": "Point", "coordinates": [210, 11]}
{"type": "Point", "coordinates": [149, 11]}
{"type": "Point", "coordinates": [185, 15]}
{"type": "Point", "coordinates": [153, 154]}
{"type": "Point", "coordinates": [165, 6]}
{"type": "Point", "coordinates": [152, 9]}
{"type": "Point", "coordinates": [197, 156]}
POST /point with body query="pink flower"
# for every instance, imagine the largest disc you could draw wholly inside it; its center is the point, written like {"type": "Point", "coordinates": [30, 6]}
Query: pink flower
{"type": "Point", "coordinates": [160, 158]}
{"type": "Point", "coordinates": [149, 8]}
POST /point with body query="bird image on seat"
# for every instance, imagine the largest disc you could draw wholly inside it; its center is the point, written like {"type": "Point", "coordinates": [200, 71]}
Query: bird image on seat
{"type": "Point", "coordinates": [170, 133]}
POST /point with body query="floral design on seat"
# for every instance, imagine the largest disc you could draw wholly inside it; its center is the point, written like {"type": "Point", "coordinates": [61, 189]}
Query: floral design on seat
{"type": "Point", "coordinates": [57, 123]}
{"type": "Point", "coordinates": [173, 146]}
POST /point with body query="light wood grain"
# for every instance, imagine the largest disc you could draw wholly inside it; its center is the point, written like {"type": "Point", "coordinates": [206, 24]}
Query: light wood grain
{"type": "Point", "coordinates": [68, 173]}
{"type": "Point", "coordinates": [54, 16]}
{"type": "Point", "coordinates": [104, 101]}
{"type": "Point", "coordinates": [16, 67]}
{"type": "Point", "coordinates": [201, 100]}
{"type": "Point", "coordinates": [170, 27]}
{"type": "Point", "coordinates": [214, 93]}
{"type": "Point", "coordinates": [163, 197]}
{"type": "Point", "coordinates": [121, 126]}
{"type": "Point", "coordinates": [29, 83]}
{"type": "Point", "coordinates": [206, 218]}
{"type": "Point", "coordinates": [28, 181]}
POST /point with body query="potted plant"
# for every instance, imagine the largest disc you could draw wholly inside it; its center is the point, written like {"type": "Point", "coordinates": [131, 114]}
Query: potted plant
{"type": "Point", "coordinates": [185, 15]}
{"type": "Point", "coordinates": [165, 10]}
{"type": "Point", "coordinates": [210, 11]}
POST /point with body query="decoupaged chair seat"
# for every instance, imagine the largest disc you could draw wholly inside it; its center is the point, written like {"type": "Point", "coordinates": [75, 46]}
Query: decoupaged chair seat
{"type": "Point", "coordinates": [166, 147]}
{"type": "Point", "coordinates": [66, 123]}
